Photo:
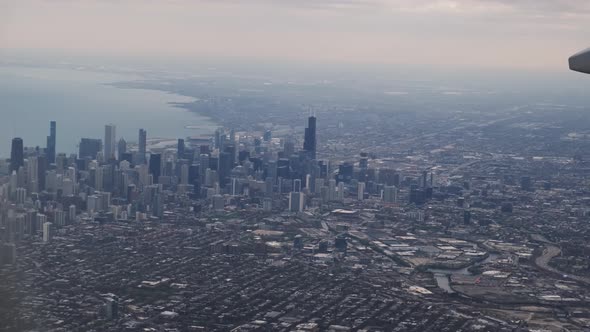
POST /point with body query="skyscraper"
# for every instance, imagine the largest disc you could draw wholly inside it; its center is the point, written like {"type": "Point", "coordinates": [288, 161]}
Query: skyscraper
{"type": "Point", "coordinates": [156, 166]}
{"type": "Point", "coordinates": [121, 149]}
{"type": "Point", "coordinates": [361, 191]}
{"type": "Point", "coordinates": [310, 143]}
{"type": "Point", "coordinates": [109, 141]}
{"type": "Point", "coordinates": [47, 231]}
{"type": "Point", "coordinates": [89, 148]}
{"type": "Point", "coordinates": [224, 167]}
{"type": "Point", "coordinates": [33, 174]}
{"type": "Point", "coordinates": [41, 170]}
{"type": "Point", "coordinates": [296, 201]}
{"type": "Point", "coordinates": [142, 146]}
{"type": "Point", "coordinates": [180, 149]}
{"type": "Point", "coordinates": [51, 142]}
{"type": "Point", "coordinates": [390, 194]}
{"type": "Point", "coordinates": [289, 148]}
{"type": "Point", "coordinates": [16, 154]}
{"type": "Point", "coordinates": [297, 185]}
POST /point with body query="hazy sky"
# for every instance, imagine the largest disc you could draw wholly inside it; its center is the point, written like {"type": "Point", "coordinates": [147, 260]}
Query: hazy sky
{"type": "Point", "coordinates": [491, 33]}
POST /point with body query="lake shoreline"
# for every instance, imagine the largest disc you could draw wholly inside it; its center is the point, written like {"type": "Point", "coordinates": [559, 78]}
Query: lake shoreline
{"type": "Point", "coordinates": [82, 102]}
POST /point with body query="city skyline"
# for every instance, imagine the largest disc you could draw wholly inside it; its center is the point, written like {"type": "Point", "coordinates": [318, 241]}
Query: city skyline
{"type": "Point", "coordinates": [309, 166]}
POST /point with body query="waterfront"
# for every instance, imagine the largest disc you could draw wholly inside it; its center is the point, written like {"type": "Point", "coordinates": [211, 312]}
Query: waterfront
{"type": "Point", "coordinates": [442, 276]}
{"type": "Point", "coordinates": [82, 102]}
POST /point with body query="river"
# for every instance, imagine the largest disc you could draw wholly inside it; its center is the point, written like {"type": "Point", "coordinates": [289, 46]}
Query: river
{"type": "Point", "coordinates": [442, 276]}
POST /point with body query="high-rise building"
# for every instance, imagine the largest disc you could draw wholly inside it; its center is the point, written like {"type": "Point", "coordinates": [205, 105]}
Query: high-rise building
{"type": "Point", "coordinates": [297, 185]}
{"type": "Point", "coordinates": [47, 231]}
{"type": "Point", "coordinates": [41, 172]}
{"type": "Point", "coordinates": [156, 166]}
{"type": "Point", "coordinates": [345, 172]}
{"type": "Point", "coordinates": [51, 142]}
{"type": "Point", "coordinates": [219, 138]}
{"type": "Point", "coordinates": [218, 203]}
{"type": "Point", "coordinates": [340, 191]}
{"type": "Point", "coordinates": [72, 213]}
{"type": "Point", "coordinates": [390, 194]}
{"type": "Point", "coordinates": [21, 195]}
{"type": "Point", "coordinates": [361, 191]}
{"type": "Point", "coordinates": [110, 134]}
{"type": "Point", "coordinates": [296, 201]}
{"type": "Point", "coordinates": [184, 174]}
{"type": "Point", "coordinates": [224, 168]}
{"type": "Point", "coordinates": [33, 174]}
{"type": "Point", "coordinates": [89, 148]}
{"type": "Point", "coordinates": [121, 149]}
{"type": "Point", "coordinates": [61, 161]}
{"type": "Point", "coordinates": [203, 166]}
{"type": "Point", "coordinates": [289, 148]}
{"type": "Point", "coordinates": [332, 190]}
{"type": "Point", "coordinates": [267, 204]}
{"type": "Point", "coordinates": [310, 143]}
{"type": "Point", "coordinates": [142, 144]}
{"type": "Point", "coordinates": [180, 149]}
{"type": "Point", "coordinates": [235, 187]}
{"type": "Point", "coordinates": [60, 218]}
{"type": "Point", "coordinates": [17, 159]}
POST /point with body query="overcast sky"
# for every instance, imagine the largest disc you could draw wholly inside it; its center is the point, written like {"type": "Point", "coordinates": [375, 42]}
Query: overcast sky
{"type": "Point", "coordinates": [490, 33]}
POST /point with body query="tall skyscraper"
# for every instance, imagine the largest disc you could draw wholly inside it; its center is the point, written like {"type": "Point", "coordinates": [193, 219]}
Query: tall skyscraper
{"type": "Point", "coordinates": [156, 166]}
{"type": "Point", "coordinates": [33, 174]}
{"type": "Point", "coordinates": [17, 154]}
{"type": "Point", "coordinates": [218, 138]}
{"type": "Point", "coordinates": [180, 149]}
{"type": "Point", "coordinates": [41, 171]}
{"type": "Point", "coordinates": [310, 143]}
{"type": "Point", "coordinates": [121, 149]}
{"type": "Point", "coordinates": [224, 167]}
{"type": "Point", "coordinates": [110, 134]}
{"type": "Point", "coordinates": [51, 142]}
{"type": "Point", "coordinates": [297, 185]}
{"type": "Point", "coordinates": [142, 146]}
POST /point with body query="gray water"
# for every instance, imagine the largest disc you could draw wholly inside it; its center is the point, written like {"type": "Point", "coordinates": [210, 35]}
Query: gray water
{"type": "Point", "coordinates": [442, 276]}
{"type": "Point", "coordinates": [82, 102]}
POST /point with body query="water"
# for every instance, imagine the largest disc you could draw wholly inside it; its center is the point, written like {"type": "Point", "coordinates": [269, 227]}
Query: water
{"type": "Point", "coordinates": [442, 276]}
{"type": "Point", "coordinates": [82, 102]}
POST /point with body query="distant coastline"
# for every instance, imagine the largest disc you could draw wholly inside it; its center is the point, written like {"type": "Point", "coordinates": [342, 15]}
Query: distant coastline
{"type": "Point", "coordinates": [157, 85]}
{"type": "Point", "coordinates": [82, 102]}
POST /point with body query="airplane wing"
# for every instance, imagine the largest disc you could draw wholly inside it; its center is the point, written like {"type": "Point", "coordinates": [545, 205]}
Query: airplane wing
{"type": "Point", "coordinates": [581, 61]}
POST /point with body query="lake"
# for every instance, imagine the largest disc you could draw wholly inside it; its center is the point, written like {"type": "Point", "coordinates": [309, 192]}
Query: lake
{"type": "Point", "coordinates": [82, 102]}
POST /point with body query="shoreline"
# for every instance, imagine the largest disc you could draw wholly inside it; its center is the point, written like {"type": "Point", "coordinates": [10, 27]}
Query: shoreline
{"type": "Point", "coordinates": [153, 109]}
{"type": "Point", "coordinates": [187, 106]}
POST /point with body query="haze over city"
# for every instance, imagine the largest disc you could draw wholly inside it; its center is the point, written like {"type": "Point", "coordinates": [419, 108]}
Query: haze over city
{"type": "Point", "coordinates": [328, 165]}
{"type": "Point", "coordinates": [536, 34]}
